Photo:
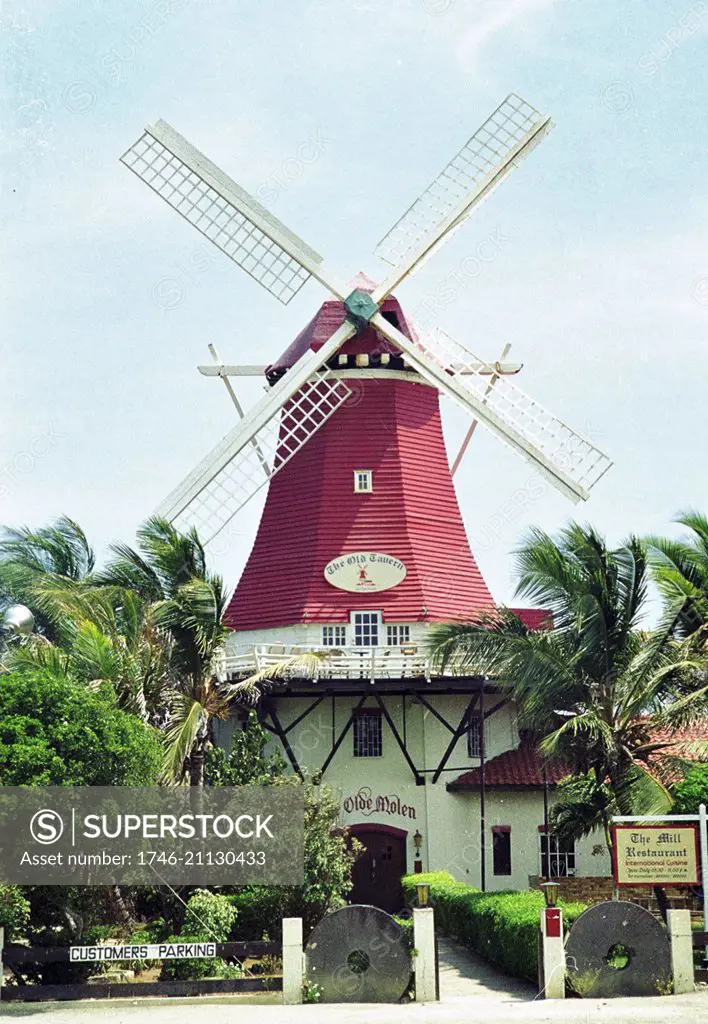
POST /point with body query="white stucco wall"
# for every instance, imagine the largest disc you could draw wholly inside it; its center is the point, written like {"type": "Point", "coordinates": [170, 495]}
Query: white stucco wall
{"type": "Point", "coordinates": [308, 634]}
{"type": "Point", "coordinates": [449, 822]}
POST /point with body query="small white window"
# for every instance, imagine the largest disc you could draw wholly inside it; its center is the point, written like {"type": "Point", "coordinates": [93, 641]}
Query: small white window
{"type": "Point", "coordinates": [366, 628]}
{"type": "Point", "coordinates": [396, 635]}
{"type": "Point", "coordinates": [363, 481]}
{"type": "Point", "coordinates": [334, 636]}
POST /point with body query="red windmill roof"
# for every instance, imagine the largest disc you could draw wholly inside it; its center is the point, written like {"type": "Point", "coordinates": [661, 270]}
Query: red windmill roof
{"type": "Point", "coordinates": [329, 317]}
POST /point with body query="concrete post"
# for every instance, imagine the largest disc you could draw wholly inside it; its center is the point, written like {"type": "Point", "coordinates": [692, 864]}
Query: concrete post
{"type": "Point", "coordinates": [552, 954]}
{"type": "Point", "coordinates": [424, 961]}
{"type": "Point", "coordinates": [293, 961]}
{"type": "Point", "coordinates": [679, 925]}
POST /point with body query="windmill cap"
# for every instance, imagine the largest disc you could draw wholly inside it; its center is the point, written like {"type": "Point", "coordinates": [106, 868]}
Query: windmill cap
{"type": "Point", "coordinates": [329, 318]}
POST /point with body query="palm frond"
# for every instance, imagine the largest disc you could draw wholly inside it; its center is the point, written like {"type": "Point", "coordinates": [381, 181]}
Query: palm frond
{"type": "Point", "coordinates": [186, 719]}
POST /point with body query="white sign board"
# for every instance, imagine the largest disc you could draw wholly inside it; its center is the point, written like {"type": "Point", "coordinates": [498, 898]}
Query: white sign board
{"type": "Point", "coordinates": [365, 572]}
{"type": "Point", "coordinates": [147, 951]}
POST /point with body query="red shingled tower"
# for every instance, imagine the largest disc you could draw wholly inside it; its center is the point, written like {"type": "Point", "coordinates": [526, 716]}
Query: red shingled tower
{"type": "Point", "coordinates": [391, 426]}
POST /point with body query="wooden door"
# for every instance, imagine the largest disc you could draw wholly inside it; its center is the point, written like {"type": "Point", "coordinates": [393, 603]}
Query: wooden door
{"type": "Point", "coordinates": [376, 875]}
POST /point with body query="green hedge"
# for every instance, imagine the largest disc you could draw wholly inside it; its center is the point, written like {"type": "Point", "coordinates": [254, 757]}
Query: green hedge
{"type": "Point", "coordinates": [500, 926]}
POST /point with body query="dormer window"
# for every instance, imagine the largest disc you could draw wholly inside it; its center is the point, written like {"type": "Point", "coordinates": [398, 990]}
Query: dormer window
{"type": "Point", "coordinates": [363, 481]}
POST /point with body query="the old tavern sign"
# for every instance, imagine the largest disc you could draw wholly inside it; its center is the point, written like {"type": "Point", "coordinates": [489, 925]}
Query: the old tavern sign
{"type": "Point", "coordinates": [363, 572]}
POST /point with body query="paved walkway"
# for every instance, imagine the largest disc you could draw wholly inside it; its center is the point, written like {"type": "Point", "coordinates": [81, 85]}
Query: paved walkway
{"type": "Point", "coordinates": [463, 975]}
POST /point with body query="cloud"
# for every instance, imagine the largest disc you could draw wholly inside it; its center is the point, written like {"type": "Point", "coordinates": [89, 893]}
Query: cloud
{"type": "Point", "coordinates": [491, 17]}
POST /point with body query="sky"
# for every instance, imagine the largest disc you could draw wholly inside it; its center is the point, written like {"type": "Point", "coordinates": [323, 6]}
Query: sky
{"type": "Point", "coordinates": [591, 260]}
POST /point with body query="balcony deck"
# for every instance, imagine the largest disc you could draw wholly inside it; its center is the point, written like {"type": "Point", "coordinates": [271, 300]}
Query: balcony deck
{"type": "Point", "coordinates": [408, 661]}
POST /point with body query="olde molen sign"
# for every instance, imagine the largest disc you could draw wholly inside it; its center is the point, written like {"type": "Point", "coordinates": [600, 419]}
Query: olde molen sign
{"type": "Point", "coordinates": [367, 803]}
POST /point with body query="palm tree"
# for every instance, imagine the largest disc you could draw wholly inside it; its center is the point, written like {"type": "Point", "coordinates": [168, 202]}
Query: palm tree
{"type": "Point", "coordinates": [169, 572]}
{"type": "Point", "coordinates": [30, 559]}
{"type": "Point", "coordinates": [680, 570]}
{"type": "Point", "coordinates": [595, 686]}
{"type": "Point", "coordinates": [106, 635]}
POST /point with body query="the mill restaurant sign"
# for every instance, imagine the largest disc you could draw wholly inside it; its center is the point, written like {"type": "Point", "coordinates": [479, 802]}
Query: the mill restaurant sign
{"type": "Point", "coordinates": [365, 572]}
{"type": "Point", "coordinates": [656, 855]}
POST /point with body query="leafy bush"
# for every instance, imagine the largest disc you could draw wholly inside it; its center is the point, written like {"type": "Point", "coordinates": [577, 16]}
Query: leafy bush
{"type": "Point", "coordinates": [54, 732]}
{"type": "Point", "coordinates": [14, 912]}
{"type": "Point", "coordinates": [210, 918]}
{"type": "Point", "coordinates": [246, 763]}
{"type": "Point", "coordinates": [404, 920]}
{"type": "Point", "coordinates": [500, 926]}
{"type": "Point", "coordinates": [196, 970]}
{"type": "Point", "coordinates": [692, 790]}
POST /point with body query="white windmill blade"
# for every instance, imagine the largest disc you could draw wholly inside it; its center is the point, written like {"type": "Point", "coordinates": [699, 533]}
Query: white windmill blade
{"type": "Point", "coordinates": [505, 138]}
{"type": "Point", "coordinates": [260, 445]}
{"type": "Point", "coordinates": [570, 461]}
{"type": "Point", "coordinates": [225, 213]}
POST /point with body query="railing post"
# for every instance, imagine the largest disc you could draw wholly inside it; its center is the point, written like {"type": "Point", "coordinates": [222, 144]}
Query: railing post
{"type": "Point", "coordinates": [679, 925]}
{"type": "Point", "coordinates": [424, 961]}
{"type": "Point", "coordinates": [293, 961]}
{"type": "Point", "coordinates": [552, 954]}
{"type": "Point", "coordinates": [2, 966]}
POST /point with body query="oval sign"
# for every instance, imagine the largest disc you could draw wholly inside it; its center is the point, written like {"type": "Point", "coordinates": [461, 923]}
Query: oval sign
{"type": "Point", "coordinates": [365, 572]}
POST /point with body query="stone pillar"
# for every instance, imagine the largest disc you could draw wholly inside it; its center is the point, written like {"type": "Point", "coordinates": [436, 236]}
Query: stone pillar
{"type": "Point", "coordinates": [293, 960]}
{"type": "Point", "coordinates": [679, 925]}
{"type": "Point", "coordinates": [552, 981]}
{"type": "Point", "coordinates": [424, 961]}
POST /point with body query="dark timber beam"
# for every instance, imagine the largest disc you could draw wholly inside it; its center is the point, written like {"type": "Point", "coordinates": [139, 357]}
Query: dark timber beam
{"type": "Point", "coordinates": [342, 735]}
{"type": "Point", "coordinates": [282, 736]}
{"type": "Point", "coordinates": [457, 734]}
{"type": "Point", "coordinates": [419, 780]}
{"type": "Point", "coordinates": [304, 714]}
{"type": "Point", "coordinates": [436, 713]}
{"type": "Point", "coordinates": [492, 711]}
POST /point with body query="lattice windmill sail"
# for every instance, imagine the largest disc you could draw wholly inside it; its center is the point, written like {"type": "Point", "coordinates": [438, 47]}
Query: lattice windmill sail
{"type": "Point", "coordinates": [312, 390]}
{"type": "Point", "coordinates": [508, 135]}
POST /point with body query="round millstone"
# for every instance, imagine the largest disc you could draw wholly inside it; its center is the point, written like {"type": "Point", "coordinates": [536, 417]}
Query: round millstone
{"type": "Point", "coordinates": [359, 955]}
{"type": "Point", "coordinates": [618, 949]}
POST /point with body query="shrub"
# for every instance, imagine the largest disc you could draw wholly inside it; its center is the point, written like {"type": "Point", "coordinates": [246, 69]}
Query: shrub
{"type": "Point", "coordinates": [196, 970]}
{"type": "Point", "coordinates": [500, 926]}
{"type": "Point", "coordinates": [405, 922]}
{"type": "Point", "coordinates": [210, 918]}
{"type": "Point", "coordinates": [54, 732]}
{"type": "Point", "coordinates": [692, 790]}
{"type": "Point", "coordinates": [14, 912]}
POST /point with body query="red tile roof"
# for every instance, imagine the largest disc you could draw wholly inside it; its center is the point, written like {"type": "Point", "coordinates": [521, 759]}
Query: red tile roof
{"type": "Point", "coordinates": [520, 767]}
{"type": "Point", "coordinates": [523, 767]}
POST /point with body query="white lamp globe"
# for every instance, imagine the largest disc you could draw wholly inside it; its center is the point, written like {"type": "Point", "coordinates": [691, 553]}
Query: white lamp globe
{"type": "Point", "coordinates": [18, 619]}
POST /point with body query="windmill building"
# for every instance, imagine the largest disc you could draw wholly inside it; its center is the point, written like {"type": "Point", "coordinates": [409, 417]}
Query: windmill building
{"type": "Point", "coordinates": [361, 546]}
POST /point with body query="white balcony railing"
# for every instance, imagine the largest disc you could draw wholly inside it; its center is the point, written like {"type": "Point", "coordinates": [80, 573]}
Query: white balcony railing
{"type": "Point", "coordinates": [408, 661]}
